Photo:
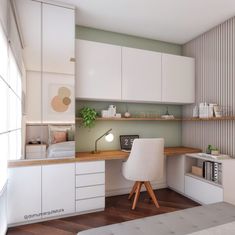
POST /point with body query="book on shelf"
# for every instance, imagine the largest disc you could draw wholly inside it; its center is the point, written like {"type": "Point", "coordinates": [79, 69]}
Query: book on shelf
{"type": "Point", "coordinates": [212, 171]}
{"type": "Point", "coordinates": [217, 157]}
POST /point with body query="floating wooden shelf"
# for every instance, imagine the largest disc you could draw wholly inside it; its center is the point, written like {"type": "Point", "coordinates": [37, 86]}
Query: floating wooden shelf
{"type": "Point", "coordinates": [228, 118]}
{"type": "Point", "coordinates": [134, 119]}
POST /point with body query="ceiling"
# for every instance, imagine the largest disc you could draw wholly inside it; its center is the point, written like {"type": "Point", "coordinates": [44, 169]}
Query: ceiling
{"type": "Point", "coordinates": [175, 21]}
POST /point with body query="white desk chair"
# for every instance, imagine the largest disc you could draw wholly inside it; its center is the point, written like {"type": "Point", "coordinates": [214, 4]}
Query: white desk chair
{"type": "Point", "coordinates": [145, 163]}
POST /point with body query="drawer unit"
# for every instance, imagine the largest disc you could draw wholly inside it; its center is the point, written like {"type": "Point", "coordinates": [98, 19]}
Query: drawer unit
{"type": "Point", "coordinates": [90, 167]}
{"type": "Point", "coordinates": [202, 191]}
{"type": "Point", "coordinates": [35, 151]}
{"type": "Point", "coordinates": [90, 179]}
{"type": "Point", "coordinates": [90, 192]}
{"type": "Point", "coordinates": [91, 204]}
{"type": "Point", "coordinates": [90, 186]}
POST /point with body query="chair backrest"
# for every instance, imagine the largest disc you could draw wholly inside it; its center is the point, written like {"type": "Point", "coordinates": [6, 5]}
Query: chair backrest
{"type": "Point", "coordinates": [146, 160]}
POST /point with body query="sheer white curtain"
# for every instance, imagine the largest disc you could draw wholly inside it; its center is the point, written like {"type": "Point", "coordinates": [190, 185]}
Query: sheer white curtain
{"type": "Point", "coordinates": [10, 111]}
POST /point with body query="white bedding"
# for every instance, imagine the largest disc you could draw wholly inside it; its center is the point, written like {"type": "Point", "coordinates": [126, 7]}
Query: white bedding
{"type": "Point", "coordinates": [63, 149]}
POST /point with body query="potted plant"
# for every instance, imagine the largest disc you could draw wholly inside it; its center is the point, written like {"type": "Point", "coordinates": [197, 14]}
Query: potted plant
{"type": "Point", "coordinates": [88, 116]}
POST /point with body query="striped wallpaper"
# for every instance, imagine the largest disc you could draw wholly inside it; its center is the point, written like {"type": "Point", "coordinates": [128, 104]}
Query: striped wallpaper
{"type": "Point", "coordinates": [215, 83]}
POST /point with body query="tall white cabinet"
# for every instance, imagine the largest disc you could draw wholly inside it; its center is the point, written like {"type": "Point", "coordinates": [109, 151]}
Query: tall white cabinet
{"type": "Point", "coordinates": [98, 71]}
{"type": "Point", "coordinates": [178, 79]}
{"type": "Point", "coordinates": [141, 75]}
{"type": "Point", "coordinates": [49, 51]}
{"type": "Point", "coordinates": [58, 39]}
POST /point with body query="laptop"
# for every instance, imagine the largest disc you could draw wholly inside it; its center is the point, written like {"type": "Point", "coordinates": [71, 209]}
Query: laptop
{"type": "Point", "coordinates": [126, 142]}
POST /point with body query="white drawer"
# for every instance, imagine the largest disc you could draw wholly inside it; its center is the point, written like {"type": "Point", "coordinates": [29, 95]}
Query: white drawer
{"type": "Point", "coordinates": [203, 192]}
{"type": "Point", "coordinates": [35, 155]}
{"type": "Point", "coordinates": [90, 167]}
{"type": "Point", "coordinates": [35, 148]}
{"type": "Point", "coordinates": [90, 204]}
{"type": "Point", "coordinates": [90, 179]}
{"type": "Point", "coordinates": [89, 192]}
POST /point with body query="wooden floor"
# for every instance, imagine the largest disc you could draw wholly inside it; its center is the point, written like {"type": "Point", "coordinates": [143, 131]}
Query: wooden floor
{"type": "Point", "coordinates": [117, 210]}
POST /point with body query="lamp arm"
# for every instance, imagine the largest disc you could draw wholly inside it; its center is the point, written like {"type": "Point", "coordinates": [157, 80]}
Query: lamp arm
{"type": "Point", "coordinates": [107, 132]}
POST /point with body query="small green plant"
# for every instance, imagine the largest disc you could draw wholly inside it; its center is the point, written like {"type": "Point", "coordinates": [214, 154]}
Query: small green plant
{"type": "Point", "coordinates": [88, 116]}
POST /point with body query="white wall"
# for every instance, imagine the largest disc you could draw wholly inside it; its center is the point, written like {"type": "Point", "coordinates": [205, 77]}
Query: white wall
{"type": "Point", "coordinates": [215, 82]}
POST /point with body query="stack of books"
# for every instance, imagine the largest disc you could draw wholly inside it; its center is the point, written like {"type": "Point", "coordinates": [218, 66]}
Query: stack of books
{"type": "Point", "coordinates": [212, 171]}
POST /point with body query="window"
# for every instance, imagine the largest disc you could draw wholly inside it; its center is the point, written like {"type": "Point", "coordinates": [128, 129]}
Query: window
{"type": "Point", "coordinates": [10, 117]}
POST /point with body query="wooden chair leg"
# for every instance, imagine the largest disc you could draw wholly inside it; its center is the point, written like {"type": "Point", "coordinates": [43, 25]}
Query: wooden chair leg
{"type": "Point", "coordinates": [133, 190]}
{"type": "Point", "coordinates": [151, 193]}
{"type": "Point", "coordinates": [137, 194]}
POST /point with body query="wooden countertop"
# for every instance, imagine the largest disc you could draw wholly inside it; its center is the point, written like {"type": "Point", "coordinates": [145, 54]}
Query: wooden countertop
{"type": "Point", "coordinates": [103, 155]}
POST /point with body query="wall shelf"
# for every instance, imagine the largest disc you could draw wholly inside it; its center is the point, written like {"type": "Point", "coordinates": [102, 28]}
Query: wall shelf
{"type": "Point", "coordinates": [133, 119]}
{"type": "Point", "coordinates": [225, 118]}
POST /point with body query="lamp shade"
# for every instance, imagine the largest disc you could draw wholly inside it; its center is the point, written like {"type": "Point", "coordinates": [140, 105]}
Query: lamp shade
{"type": "Point", "coordinates": [109, 137]}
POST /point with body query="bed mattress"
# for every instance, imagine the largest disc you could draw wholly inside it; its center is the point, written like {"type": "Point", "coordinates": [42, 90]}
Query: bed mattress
{"type": "Point", "coordinates": [201, 220]}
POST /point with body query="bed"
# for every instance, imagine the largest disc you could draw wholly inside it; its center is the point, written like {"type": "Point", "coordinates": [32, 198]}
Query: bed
{"type": "Point", "coordinates": [216, 219]}
{"type": "Point", "coordinates": [63, 149]}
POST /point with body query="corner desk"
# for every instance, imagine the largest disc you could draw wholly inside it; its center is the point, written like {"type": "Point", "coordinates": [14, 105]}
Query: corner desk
{"type": "Point", "coordinates": [69, 186]}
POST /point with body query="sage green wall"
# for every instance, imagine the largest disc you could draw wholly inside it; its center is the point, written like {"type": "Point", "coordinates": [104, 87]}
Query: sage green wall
{"type": "Point", "coordinates": [170, 130]}
{"type": "Point", "coordinates": [126, 40]}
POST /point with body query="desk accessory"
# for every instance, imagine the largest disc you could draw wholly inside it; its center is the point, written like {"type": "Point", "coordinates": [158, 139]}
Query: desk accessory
{"type": "Point", "coordinates": [108, 137]}
{"type": "Point", "coordinates": [167, 115]}
{"type": "Point", "coordinates": [126, 141]}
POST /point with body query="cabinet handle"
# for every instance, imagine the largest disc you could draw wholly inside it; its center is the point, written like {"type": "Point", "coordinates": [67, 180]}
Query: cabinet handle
{"type": "Point", "coordinates": [72, 59]}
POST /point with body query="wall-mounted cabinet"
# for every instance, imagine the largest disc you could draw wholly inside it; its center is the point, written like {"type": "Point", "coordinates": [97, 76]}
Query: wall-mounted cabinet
{"type": "Point", "coordinates": [178, 79]}
{"type": "Point", "coordinates": [98, 71]}
{"type": "Point", "coordinates": [108, 72]}
{"type": "Point", "coordinates": [141, 75]}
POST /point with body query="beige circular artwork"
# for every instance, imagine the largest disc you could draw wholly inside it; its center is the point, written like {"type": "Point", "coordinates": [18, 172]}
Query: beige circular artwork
{"type": "Point", "coordinates": [60, 102]}
{"type": "Point", "coordinates": [64, 92]}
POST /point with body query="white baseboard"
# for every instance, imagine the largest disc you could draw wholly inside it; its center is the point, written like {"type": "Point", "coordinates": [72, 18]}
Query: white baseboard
{"type": "Point", "coordinates": [121, 191]}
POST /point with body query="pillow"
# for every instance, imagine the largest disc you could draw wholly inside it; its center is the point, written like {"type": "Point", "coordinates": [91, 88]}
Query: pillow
{"type": "Point", "coordinates": [59, 136]}
{"type": "Point", "coordinates": [53, 129]}
{"type": "Point", "coordinates": [71, 134]}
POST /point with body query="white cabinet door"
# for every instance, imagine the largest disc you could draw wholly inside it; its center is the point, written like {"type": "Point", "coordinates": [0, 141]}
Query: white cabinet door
{"type": "Point", "coordinates": [178, 79]}
{"type": "Point", "coordinates": [202, 192]}
{"type": "Point", "coordinates": [58, 189]}
{"type": "Point", "coordinates": [141, 75]}
{"type": "Point", "coordinates": [33, 97]}
{"type": "Point", "coordinates": [175, 172]}
{"type": "Point", "coordinates": [58, 39]}
{"type": "Point", "coordinates": [24, 194]}
{"type": "Point", "coordinates": [30, 22]}
{"type": "Point", "coordinates": [98, 71]}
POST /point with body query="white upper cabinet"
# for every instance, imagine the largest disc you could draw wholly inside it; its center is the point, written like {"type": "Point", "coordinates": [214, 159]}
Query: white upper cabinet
{"type": "Point", "coordinates": [141, 75]}
{"type": "Point", "coordinates": [58, 39]}
{"type": "Point", "coordinates": [98, 71]}
{"type": "Point", "coordinates": [30, 22]}
{"type": "Point", "coordinates": [178, 79]}
{"type": "Point", "coordinates": [58, 189]}
{"type": "Point", "coordinates": [108, 72]}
